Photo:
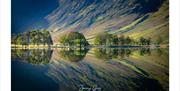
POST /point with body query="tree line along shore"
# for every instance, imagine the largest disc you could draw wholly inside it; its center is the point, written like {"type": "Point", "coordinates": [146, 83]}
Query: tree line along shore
{"type": "Point", "coordinates": [42, 39]}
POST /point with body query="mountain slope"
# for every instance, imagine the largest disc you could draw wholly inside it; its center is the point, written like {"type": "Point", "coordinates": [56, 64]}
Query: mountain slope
{"type": "Point", "coordinates": [135, 18]}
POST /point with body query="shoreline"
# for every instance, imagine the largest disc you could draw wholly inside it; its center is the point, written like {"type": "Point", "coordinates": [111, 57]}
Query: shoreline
{"type": "Point", "coordinates": [86, 47]}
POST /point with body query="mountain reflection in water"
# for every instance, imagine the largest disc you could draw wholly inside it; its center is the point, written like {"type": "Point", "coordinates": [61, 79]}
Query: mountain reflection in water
{"type": "Point", "coordinates": [111, 69]}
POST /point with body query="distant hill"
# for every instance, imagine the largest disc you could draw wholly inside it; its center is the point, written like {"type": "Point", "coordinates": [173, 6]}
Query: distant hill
{"type": "Point", "coordinates": [135, 18]}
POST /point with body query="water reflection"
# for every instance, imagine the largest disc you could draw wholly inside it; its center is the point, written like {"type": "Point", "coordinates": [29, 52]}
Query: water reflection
{"type": "Point", "coordinates": [111, 69]}
{"type": "Point", "coordinates": [38, 56]}
{"type": "Point", "coordinates": [73, 55]}
{"type": "Point", "coordinates": [43, 56]}
{"type": "Point", "coordinates": [144, 51]}
{"type": "Point", "coordinates": [109, 53]}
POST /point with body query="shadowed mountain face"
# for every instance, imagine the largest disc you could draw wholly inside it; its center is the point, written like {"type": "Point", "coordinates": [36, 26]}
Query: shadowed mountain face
{"type": "Point", "coordinates": [115, 16]}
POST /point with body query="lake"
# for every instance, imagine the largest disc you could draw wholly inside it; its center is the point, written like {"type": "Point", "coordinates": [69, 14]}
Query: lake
{"type": "Point", "coordinates": [95, 69]}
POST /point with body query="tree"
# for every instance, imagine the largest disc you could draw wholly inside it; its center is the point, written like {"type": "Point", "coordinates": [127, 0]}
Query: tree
{"type": "Point", "coordinates": [33, 37]}
{"type": "Point", "coordinates": [148, 41]}
{"type": "Point", "coordinates": [97, 40]}
{"type": "Point", "coordinates": [46, 37]}
{"type": "Point", "coordinates": [142, 41]}
{"type": "Point", "coordinates": [106, 39]}
{"type": "Point", "coordinates": [115, 39]}
{"type": "Point", "coordinates": [25, 38]}
{"type": "Point", "coordinates": [102, 39]}
{"type": "Point", "coordinates": [20, 39]}
{"type": "Point", "coordinates": [121, 40]}
{"type": "Point", "coordinates": [128, 40]}
{"type": "Point", "coordinates": [73, 39]}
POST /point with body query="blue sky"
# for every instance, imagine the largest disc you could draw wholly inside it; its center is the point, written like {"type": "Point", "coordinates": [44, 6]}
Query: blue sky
{"type": "Point", "coordinates": [30, 14]}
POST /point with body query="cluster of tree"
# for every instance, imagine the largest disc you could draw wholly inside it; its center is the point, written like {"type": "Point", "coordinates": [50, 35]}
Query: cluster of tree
{"type": "Point", "coordinates": [73, 39]}
{"type": "Point", "coordinates": [144, 41]}
{"type": "Point", "coordinates": [32, 37]}
{"type": "Point", "coordinates": [33, 56]}
{"type": "Point", "coordinates": [106, 39]}
{"type": "Point", "coordinates": [113, 40]}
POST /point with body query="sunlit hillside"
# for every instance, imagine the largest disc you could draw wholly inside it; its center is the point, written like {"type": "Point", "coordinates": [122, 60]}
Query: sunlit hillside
{"type": "Point", "coordinates": [135, 18]}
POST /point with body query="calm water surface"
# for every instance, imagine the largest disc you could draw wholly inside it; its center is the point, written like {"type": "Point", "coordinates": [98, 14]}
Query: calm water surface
{"type": "Point", "coordinates": [108, 69]}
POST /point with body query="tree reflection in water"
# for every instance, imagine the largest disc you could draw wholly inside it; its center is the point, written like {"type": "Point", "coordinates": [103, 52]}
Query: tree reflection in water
{"type": "Point", "coordinates": [42, 56]}
{"type": "Point", "coordinates": [112, 69]}
{"type": "Point", "coordinates": [125, 69]}
{"type": "Point", "coordinates": [144, 51]}
{"type": "Point", "coordinates": [72, 54]}
{"type": "Point", "coordinates": [35, 56]}
{"type": "Point", "coordinates": [111, 53]}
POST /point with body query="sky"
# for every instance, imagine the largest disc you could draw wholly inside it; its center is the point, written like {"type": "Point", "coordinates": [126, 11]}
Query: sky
{"type": "Point", "coordinates": [30, 14]}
